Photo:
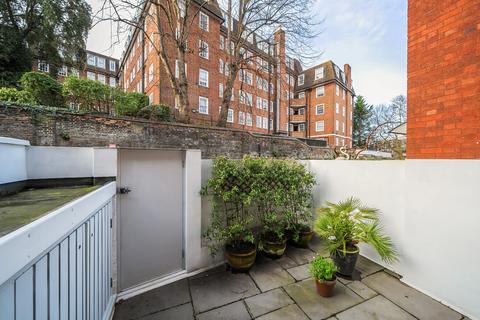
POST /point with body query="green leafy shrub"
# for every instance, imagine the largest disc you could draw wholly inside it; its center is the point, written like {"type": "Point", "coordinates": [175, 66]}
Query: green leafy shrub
{"type": "Point", "coordinates": [43, 89]}
{"type": "Point", "coordinates": [347, 223]}
{"type": "Point", "coordinates": [322, 268]}
{"type": "Point", "coordinates": [14, 95]}
{"type": "Point", "coordinates": [130, 103]}
{"type": "Point", "coordinates": [159, 112]}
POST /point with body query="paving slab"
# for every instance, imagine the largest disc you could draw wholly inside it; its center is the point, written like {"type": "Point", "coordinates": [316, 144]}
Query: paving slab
{"type": "Point", "coordinates": [376, 308]}
{"type": "Point", "coordinates": [270, 275]}
{"type": "Point", "coordinates": [235, 311]}
{"type": "Point", "coordinates": [183, 312]}
{"type": "Point", "coordinates": [299, 255]}
{"type": "Point", "coordinates": [153, 301]}
{"type": "Point", "coordinates": [409, 299]}
{"type": "Point", "coordinates": [287, 313]}
{"type": "Point", "coordinates": [286, 262]}
{"type": "Point", "coordinates": [319, 246]}
{"type": "Point", "coordinates": [219, 289]}
{"type": "Point", "coordinates": [316, 307]}
{"type": "Point", "coordinates": [267, 302]}
{"type": "Point", "coordinates": [362, 290]}
{"type": "Point", "coordinates": [300, 273]}
{"type": "Point", "coordinates": [367, 267]}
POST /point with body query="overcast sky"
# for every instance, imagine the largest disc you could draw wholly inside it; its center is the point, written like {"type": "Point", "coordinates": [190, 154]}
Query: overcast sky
{"type": "Point", "coordinates": [370, 35]}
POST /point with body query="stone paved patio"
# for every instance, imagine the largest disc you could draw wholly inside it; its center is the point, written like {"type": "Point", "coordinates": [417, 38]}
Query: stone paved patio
{"type": "Point", "coordinates": [283, 289]}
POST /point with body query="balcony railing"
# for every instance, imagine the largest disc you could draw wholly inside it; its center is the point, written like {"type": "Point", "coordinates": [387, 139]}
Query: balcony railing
{"type": "Point", "coordinates": [298, 102]}
{"type": "Point", "coordinates": [298, 118]}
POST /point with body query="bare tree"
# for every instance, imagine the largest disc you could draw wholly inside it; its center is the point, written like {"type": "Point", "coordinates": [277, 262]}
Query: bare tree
{"type": "Point", "coordinates": [248, 19]}
{"type": "Point", "coordinates": [166, 26]}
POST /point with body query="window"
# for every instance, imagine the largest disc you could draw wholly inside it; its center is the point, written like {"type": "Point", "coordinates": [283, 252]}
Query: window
{"type": "Point", "coordinates": [113, 82]}
{"type": "Point", "coordinates": [101, 78]}
{"type": "Point", "coordinates": [177, 69]}
{"type": "Point", "coordinates": [150, 98]}
{"type": "Point", "coordinates": [336, 141]}
{"type": "Point", "coordinates": [221, 66]}
{"type": "Point", "coordinates": [337, 110]}
{"type": "Point", "coordinates": [203, 105]}
{"type": "Point", "coordinates": [43, 66]}
{"type": "Point", "coordinates": [203, 21]}
{"type": "Point", "coordinates": [249, 119]}
{"type": "Point", "coordinates": [265, 123]}
{"type": "Point", "coordinates": [222, 43]}
{"type": "Point", "coordinates": [230, 117]}
{"type": "Point", "coordinates": [91, 59]}
{"type": "Point", "coordinates": [220, 90]}
{"type": "Point", "coordinates": [258, 120]}
{"type": "Point", "coordinates": [271, 124]}
{"type": "Point", "coordinates": [74, 72]}
{"type": "Point", "coordinates": [203, 78]}
{"type": "Point", "coordinates": [337, 90]}
{"type": "Point", "coordinates": [62, 71]}
{"type": "Point", "coordinates": [227, 69]}
{"type": "Point", "coordinates": [343, 127]}
{"type": "Point", "coordinates": [319, 126]}
{"type": "Point", "coordinates": [259, 83]}
{"type": "Point", "coordinates": [301, 79]}
{"type": "Point", "coordinates": [319, 73]}
{"type": "Point", "coordinates": [249, 78]}
{"type": "Point", "coordinates": [241, 117]}
{"type": "Point", "coordinates": [265, 104]}
{"type": "Point", "coordinates": [301, 95]}
{"type": "Point", "coordinates": [181, 8]}
{"type": "Point", "coordinates": [101, 62]}
{"type": "Point", "coordinates": [259, 102]}
{"type": "Point", "coordinates": [344, 111]}
{"type": "Point", "coordinates": [113, 65]}
{"type": "Point", "coordinates": [91, 75]}
{"type": "Point", "coordinates": [320, 91]}
{"type": "Point", "coordinates": [336, 125]}
{"type": "Point", "coordinates": [337, 71]}
{"type": "Point", "coordinates": [320, 109]}
{"type": "Point", "coordinates": [203, 49]}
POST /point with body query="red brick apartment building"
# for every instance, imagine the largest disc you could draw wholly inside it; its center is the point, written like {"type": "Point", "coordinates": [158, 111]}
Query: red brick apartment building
{"type": "Point", "coordinates": [278, 97]}
{"type": "Point", "coordinates": [443, 79]}
{"type": "Point", "coordinates": [97, 67]}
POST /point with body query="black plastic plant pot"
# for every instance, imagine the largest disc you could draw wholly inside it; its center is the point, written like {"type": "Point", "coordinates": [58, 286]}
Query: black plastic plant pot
{"type": "Point", "coordinates": [345, 260]}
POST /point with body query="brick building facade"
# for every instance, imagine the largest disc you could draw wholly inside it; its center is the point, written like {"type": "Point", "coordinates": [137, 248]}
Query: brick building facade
{"type": "Point", "coordinates": [443, 79]}
{"type": "Point", "coordinates": [272, 93]}
{"type": "Point", "coordinates": [98, 67]}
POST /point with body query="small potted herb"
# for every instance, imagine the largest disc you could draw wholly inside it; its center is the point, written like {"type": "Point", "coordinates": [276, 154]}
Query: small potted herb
{"type": "Point", "coordinates": [323, 270]}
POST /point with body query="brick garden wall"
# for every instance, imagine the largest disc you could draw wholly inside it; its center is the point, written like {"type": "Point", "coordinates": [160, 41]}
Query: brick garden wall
{"type": "Point", "coordinates": [69, 129]}
{"type": "Point", "coordinates": [443, 79]}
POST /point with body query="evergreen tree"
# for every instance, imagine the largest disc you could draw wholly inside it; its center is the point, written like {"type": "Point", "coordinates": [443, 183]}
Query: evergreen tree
{"type": "Point", "coordinates": [362, 113]}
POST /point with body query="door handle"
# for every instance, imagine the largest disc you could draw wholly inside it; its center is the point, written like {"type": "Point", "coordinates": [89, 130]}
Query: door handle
{"type": "Point", "coordinates": [124, 190]}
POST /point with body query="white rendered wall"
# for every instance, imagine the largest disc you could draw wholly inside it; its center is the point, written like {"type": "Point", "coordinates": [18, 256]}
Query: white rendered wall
{"type": "Point", "coordinates": [430, 209]}
{"type": "Point", "coordinates": [12, 160]}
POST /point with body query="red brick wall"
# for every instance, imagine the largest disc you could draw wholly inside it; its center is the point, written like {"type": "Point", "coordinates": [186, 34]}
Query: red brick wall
{"type": "Point", "coordinates": [443, 79]}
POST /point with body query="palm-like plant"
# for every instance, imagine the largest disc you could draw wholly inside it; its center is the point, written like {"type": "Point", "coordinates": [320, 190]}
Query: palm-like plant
{"type": "Point", "coordinates": [347, 223]}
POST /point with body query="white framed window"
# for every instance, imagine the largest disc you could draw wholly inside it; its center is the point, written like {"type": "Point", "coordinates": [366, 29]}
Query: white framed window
{"type": "Point", "coordinates": [112, 82]}
{"type": "Point", "coordinates": [249, 119]}
{"type": "Point", "coordinates": [203, 21]}
{"type": "Point", "coordinates": [101, 78]}
{"type": "Point", "coordinates": [221, 66]}
{"type": "Point", "coordinates": [343, 127]}
{"type": "Point", "coordinates": [177, 69]}
{"type": "Point", "coordinates": [337, 71]}
{"type": "Point", "coordinates": [220, 90]}
{"type": "Point", "coordinates": [203, 78]}
{"type": "Point", "coordinates": [139, 86]}
{"type": "Point", "coordinates": [150, 73]}
{"type": "Point", "coordinates": [202, 105]}
{"type": "Point", "coordinates": [227, 69]}
{"type": "Point", "coordinates": [181, 8]}
{"type": "Point", "coordinates": [241, 117]}
{"type": "Point", "coordinates": [249, 99]}
{"type": "Point", "coordinates": [320, 91]}
{"type": "Point", "coordinates": [230, 116]}
{"type": "Point", "coordinates": [301, 127]}
{"type": "Point", "coordinates": [344, 111]}
{"type": "Point", "coordinates": [91, 75]}
{"type": "Point", "coordinates": [264, 122]}
{"type": "Point", "coordinates": [91, 59]}
{"type": "Point", "coordinates": [301, 95]}
{"type": "Point", "coordinates": [337, 126]}
{"type": "Point", "coordinates": [203, 49]}
{"type": "Point", "coordinates": [74, 72]}
{"type": "Point", "coordinates": [150, 98]}
{"type": "Point", "coordinates": [336, 141]}
{"type": "Point", "coordinates": [301, 79]}
{"type": "Point", "coordinates": [265, 104]}
{"type": "Point", "coordinates": [101, 62]}
{"type": "Point", "coordinates": [320, 109]}
{"type": "Point", "coordinates": [43, 66]}
{"type": "Point", "coordinates": [258, 121]}
{"type": "Point", "coordinates": [259, 102]}
{"type": "Point", "coordinates": [222, 42]}
{"type": "Point", "coordinates": [319, 73]}
{"type": "Point", "coordinates": [337, 90]}
{"type": "Point", "coordinates": [249, 78]}
{"type": "Point", "coordinates": [320, 126]}
{"type": "Point", "coordinates": [113, 65]}
{"type": "Point", "coordinates": [62, 71]}
{"type": "Point", "coordinates": [337, 108]}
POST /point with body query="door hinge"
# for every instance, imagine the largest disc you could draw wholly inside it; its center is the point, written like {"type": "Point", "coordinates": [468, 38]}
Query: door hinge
{"type": "Point", "coordinates": [111, 223]}
{"type": "Point", "coordinates": [111, 282]}
{"type": "Point", "coordinates": [183, 253]}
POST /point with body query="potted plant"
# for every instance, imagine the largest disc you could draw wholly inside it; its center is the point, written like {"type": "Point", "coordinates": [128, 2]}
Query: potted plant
{"type": "Point", "coordinates": [346, 224]}
{"type": "Point", "coordinates": [323, 270]}
{"type": "Point", "coordinates": [273, 242]}
{"type": "Point", "coordinates": [232, 221]}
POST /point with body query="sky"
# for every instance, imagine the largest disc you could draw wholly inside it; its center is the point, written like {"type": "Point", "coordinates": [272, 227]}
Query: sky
{"type": "Point", "coordinates": [370, 35]}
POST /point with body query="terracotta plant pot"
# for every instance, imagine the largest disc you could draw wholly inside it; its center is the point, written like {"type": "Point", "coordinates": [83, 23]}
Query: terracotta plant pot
{"type": "Point", "coordinates": [325, 288]}
{"type": "Point", "coordinates": [304, 238]}
{"type": "Point", "coordinates": [274, 248]}
{"type": "Point", "coordinates": [241, 259]}
{"type": "Point", "coordinates": [346, 260]}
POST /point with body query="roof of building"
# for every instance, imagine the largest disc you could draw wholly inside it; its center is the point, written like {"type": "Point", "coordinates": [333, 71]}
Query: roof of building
{"type": "Point", "coordinates": [101, 55]}
{"type": "Point", "coordinates": [329, 75]}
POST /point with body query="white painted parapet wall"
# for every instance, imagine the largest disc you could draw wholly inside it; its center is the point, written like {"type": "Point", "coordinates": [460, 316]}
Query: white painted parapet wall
{"type": "Point", "coordinates": [431, 210]}
{"type": "Point", "coordinates": [13, 161]}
